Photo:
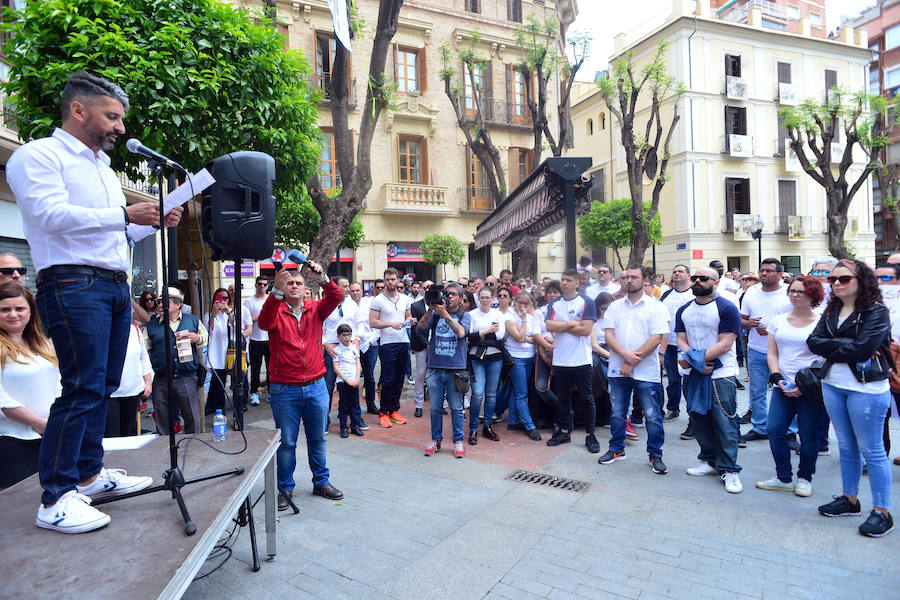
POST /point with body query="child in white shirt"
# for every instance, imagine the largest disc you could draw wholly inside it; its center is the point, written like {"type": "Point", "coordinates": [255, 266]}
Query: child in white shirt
{"type": "Point", "coordinates": [347, 369]}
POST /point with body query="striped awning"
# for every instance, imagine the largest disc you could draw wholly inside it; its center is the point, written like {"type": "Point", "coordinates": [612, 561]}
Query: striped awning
{"type": "Point", "coordinates": [518, 211]}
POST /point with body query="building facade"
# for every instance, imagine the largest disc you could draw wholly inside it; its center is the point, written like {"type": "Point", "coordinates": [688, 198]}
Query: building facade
{"type": "Point", "coordinates": [729, 169]}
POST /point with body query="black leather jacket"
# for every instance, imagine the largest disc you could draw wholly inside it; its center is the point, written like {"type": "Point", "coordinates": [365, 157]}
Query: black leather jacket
{"type": "Point", "coordinates": [860, 336]}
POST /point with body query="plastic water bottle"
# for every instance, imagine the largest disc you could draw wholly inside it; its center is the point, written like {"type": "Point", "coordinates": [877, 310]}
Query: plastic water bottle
{"type": "Point", "coordinates": [613, 372]}
{"type": "Point", "coordinates": [408, 322]}
{"type": "Point", "coordinates": [788, 386]}
{"type": "Point", "coordinates": [219, 424]}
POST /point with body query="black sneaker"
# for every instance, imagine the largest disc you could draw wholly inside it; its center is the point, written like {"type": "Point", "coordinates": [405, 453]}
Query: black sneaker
{"type": "Point", "coordinates": [592, 444]}
{"type": "Point", "coordinates": [753, 435]}
{"type": "Point", "coordinates": [533, 434]}
{"type": "Point", "coordinates": [559, 438]}
{"type": "Point", "coordinates": [688, 434]}
{"type": "Point", "coordinates": [418, 412]}
{"type": "Point", "coordinates": [745, 420]}
{"type": "Point", "coordinates": [739, 385]}
{"type": "Point", "coordinates": [877, 525]}
{"type": "Point", "coordinates": [671, 415]}
{"type": "Point", "coordinates": [611, 456]}
{"type": "Point", "coordinates": [658, 466]}
{"type": "Point", "coordinates": [345, 433]}
{"type": "Point", "coordinates": [840, 507]}
{"type": "Point", "coordinates": [637, 421]}
{"type": "Point", "coordinates": [742, 443]}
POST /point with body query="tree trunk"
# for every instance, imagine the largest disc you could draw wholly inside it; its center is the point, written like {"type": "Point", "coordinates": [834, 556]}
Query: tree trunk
{"type": "Point", "coordinates": [837, 223]}
{"type": "Point", "coordinates": [639, 242]}
{"type": "Point", "coordinates": [527, 260]}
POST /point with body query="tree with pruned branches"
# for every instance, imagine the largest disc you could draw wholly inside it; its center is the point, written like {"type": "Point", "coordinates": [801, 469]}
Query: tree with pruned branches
{"type": "Point", "coordinates": [646, 156]}
{"type": "Point", "coordinates": [813, 130]}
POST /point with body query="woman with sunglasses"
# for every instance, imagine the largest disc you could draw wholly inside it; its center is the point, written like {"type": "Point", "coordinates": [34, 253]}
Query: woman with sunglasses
{"type": "Point", "coordinates": [220, 323]}
{"type": "Point", "coordinates": [29, 383]}
{"type": "Point", "coordinates": [487, 333]}
{"type": "Point", "coordinates": [852, 336]}
{"type": "Point", "coordinates": [788, 353]}
{"type": "Point", "coordinates": [520, 344]}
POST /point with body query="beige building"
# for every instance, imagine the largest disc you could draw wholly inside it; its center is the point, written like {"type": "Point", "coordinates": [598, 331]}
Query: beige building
{"type": "Point", "coordinates": [728, 168]}
{"type": "Point", "coordinates": [424, 179]}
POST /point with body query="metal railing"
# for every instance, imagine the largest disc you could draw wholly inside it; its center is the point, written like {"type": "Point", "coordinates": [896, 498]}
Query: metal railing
{"type": "Point", "coordinates": [145, 187]}
{"type": "Point", "coordinates": [320, 81]}
{"type": "Point", "coordinates": [478, 198]}
{"type": "Point", "coordinates": [738, 13]}
{"type": "Point", "coordinates": [499, 112]}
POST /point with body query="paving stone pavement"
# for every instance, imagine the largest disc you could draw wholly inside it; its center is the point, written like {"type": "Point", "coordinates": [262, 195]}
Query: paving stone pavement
{"type": "Point", "coordinates": [412, 527]}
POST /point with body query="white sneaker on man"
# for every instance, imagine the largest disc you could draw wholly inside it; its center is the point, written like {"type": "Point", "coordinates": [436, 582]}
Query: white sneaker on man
{"type": "Point", "coordinates": [114, 482]}
{"type": "Point", "coordinates": [733, 483]}
{"type": "Point", "coordinates": [72, 513]}
{"type": "Point", "coordinates": [254, 399]}
{"type": "Point", "coordinates": [803, 488]}
{"type": "Point", "coordinates": [701, 468]}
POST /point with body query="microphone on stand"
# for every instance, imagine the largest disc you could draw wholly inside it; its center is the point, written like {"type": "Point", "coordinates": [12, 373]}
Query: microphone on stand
{"type": "Point", "coordinates": [136, 147]}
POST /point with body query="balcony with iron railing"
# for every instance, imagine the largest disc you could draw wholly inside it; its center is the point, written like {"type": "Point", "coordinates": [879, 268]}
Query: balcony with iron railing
{"type": "Point", "coordinates": [319, 81]}
{"type": "Point", "coordinates": [500, 112]}
{"type": "Point", "coordinates": [414, 198]}
{"type": "Point", "coordinates": [478, 199]}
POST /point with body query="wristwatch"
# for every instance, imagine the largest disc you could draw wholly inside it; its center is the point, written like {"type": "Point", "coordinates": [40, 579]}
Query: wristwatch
{"type": "Point", "coordinates": [324, 279]}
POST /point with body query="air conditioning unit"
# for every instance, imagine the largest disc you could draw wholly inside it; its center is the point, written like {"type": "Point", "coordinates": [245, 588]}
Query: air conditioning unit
{"type": "Point", "coordinates": [837, 151]}
{"type": "Point", "coordinates": [740, 145]}
{"type": "Point", "coordinates": [799, 228]}
{"type": "Point", "coordinates": [787, 94]}
{"type": "Point", "coordinates": [735, 88]}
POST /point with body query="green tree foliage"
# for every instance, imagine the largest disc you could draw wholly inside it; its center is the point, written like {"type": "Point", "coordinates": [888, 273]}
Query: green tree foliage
{"type": "Point", "coordinates": [297, 221]}
{"type": "Point", "coordinates": [814, 129]}
{"type": "Point", "coordinates": [609, 225]}
{"type": "Point", "coordinates": [439, 249]}
{"type": "Point", "coordinates": [203, 77]}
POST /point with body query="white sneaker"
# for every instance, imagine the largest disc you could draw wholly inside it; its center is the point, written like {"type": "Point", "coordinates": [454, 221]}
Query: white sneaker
{"type": "Point", "coordinates": [72, 513]}
{"type": "Point", "coordinates": [804, 488]}
{"type": "Point", "coordinates": [701, 468]}
{"type": "Point", "coordinates": [113, 482]}
{"type": "Point", "coordinates": [776, 484]}
{"type": "Point", "coordinates": [254, 399]}
{"type": "Point", "coordinates": [733, 483]}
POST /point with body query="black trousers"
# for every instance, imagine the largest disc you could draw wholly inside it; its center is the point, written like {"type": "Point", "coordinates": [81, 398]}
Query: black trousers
{"type": "Point", "coordinates": [121, 416]}
{"type": "Point", "coordinates": [258, 352]}
{"type": "Point", "coordinates": [564, 379]}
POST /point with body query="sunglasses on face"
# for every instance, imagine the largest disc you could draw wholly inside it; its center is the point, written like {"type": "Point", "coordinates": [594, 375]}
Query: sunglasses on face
{"type": "Point", "coordinates": [703, 278]}
{"type": "Point", "coordinates": [886, 278]}
{"type": "Point", "coordinates": [820, 272]}
{"type": "Point", "coordinates": [8, 271]}
{"type": "Point", "coordinates": [843, 279]}
{"type": "Point", "coordinates": [603, 271]}
{"type": "Point", "coordinates": [796, 292]}
{"type": "Point", "coordinates": [503, 295]}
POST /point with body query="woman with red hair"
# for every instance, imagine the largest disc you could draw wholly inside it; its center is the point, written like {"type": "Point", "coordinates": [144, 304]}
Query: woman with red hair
{"type": "Point", "coordinates": [788, 353]}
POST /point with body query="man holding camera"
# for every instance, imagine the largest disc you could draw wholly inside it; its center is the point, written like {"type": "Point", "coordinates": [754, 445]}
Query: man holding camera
{"type": "Point", "coordinates": [446, 374]}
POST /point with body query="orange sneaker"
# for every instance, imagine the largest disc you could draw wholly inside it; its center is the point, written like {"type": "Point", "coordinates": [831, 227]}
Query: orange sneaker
{"type": "Point", "coordinates": [396, 417]}
{"type": "Point", "coordinates": [384, 420]}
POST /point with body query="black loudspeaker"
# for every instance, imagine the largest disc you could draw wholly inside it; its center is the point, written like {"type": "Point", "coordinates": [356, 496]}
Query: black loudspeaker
{"type": "Point", "coordinates": [238, 210]}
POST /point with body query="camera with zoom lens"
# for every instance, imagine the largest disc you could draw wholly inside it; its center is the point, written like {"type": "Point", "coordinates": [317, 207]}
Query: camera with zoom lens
{"type": "Point", "coordinates": [435, 295]}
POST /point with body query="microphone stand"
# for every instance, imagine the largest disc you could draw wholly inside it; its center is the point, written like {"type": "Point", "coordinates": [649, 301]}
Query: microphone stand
{"type": "Point", "coordinates": [173, 479]}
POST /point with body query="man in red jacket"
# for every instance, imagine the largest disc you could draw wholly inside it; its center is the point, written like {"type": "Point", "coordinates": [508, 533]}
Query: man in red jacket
{"type": "Point", "coordinates": [296, 369]}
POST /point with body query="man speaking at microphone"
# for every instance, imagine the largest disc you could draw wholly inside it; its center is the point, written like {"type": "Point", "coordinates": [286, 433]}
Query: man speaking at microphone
{"type": "Point", "coordinates": [75, 219]}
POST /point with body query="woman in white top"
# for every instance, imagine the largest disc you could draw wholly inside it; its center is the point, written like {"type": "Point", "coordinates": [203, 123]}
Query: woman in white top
{"type": "Point", "coordinates": [29, 383]}
{"type": "Point", "coordinates": [788, 353]}
{"type": "Point", "coordinates": [504, 392]}
{"type": "Point", "coordinates": [487, 333]}
{"type": "Point", "coordinates": [219, 323]}
{"type": "Point", "coordinates": [600, 356]}
{"type": "Point", "coordinates": [135, 384]}
{"type": "Point", "coordinates": [520, 344]}
{"type": "Point", "coordinates": [853, 336]}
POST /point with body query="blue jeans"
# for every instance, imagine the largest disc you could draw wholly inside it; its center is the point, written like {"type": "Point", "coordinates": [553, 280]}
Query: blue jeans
{"type": "Point", "coordinates": [367, 360]}
{"type": "Point", "coordinates": [440, 382]}
{"type": "Point", "coordinates": [716, 433]}
{"type": "Point", "coordinates": [393, 368]}
{"type": "Point", "coordinates": [290, 404]}
{"type": "Point", "coordinates": [647, 392]}
{"type": "Point", "coordinates": [88, 320]}
{"type": "Point", "coordinates": [487, 378]}
{"type": "Point", "coordinates": [810, 416]}
{"type": "Point", "coordinates": [519, 378]}
{"type": "Point", "coordinates": [673, 389]}
{"type": "Point", "coordinates": [758, 368]}
{"type": "Point", "coordinates": [858, 420]}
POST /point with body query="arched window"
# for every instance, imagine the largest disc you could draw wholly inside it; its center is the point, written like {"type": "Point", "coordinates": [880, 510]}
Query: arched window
{"type": "Point", "coordinates": [602, 121]}
{"type": "Point", "coordinates": [590, 127]}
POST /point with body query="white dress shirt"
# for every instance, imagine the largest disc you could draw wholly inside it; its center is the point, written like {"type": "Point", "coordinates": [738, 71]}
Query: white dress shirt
{"type": "Point", "coordinates": [71, 203]}
{"type": "Point", "coordinates": [633, 324]}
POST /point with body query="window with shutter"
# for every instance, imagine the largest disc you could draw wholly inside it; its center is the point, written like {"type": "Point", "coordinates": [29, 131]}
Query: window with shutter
{"type": "Point", "coordinates": [479, 193]}
{"type": "Point", "coordinates": [477, 73]}
{"type": "Point", "coordinates": [787, 203]}
{"type": "Point", "coordinates": [735, 123]}
{"type": "Point", "coordinates": [329, 177]}
{"type": "Point", "coordinates": [732, 65]}
{"type": "Point", "coordinates": [737, 200]}
{"type": "Point", "coordinates": [472, 6]}
{"type": "Point", "coordinates": [782, 136]}
{"type": "Point", "coordinates": [407, 70]}
{"type": "Point", "coordinates": [514, 10]}
{"type": "Point", "coordinates": [411, 159]}
{"type": "Point", "coordinates": [830, 81]}
{"type": "Point", "coordinates": [326, 47]}
{"type": "Point", "coordinates": [784, 72]}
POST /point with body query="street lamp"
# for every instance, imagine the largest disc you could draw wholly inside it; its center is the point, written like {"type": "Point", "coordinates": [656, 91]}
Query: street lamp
{"type": "Point", "coordinates": [756, 234]}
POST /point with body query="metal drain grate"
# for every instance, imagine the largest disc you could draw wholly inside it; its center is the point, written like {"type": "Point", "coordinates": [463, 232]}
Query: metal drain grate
{"type": "Point", "coordinates": [562, 483]}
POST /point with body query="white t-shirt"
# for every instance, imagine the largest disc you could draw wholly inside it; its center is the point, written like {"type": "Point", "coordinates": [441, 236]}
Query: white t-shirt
{"type": "Point", "coordinates": [368, 335]}
{"type": "Point", "coordinates": [34, 385]}
{"type": "Point", "coordinates": [758, 303]}
{"type": "Point", "coordinates": [702, 323]}
{"type": "Point", "coordinates": [633, 324]}
{"type": "Point", "coordinates": [481, 319]}
{"type": "Point", "coordinates": [572, 350]}
{"type": "Point", "coordinates": [519, 349]}
{"type": "Point", "coordinates": [793, 353]}
{"type": "Point", "coordinates": [596, 289]}
{"type": "Point", "coordinates": [219, 337]}
{"type": "Point", "coordinates": [729, 284]}
{"type": "Point", "coordinates": [391, 311]}
{"type": "Point", "coordinates": [345, 313]}
{"type": "Point", "coordinates": [253, 305]}
{"type": "Point", "coordinates": [346, 359]}
{"type": "Point", "coordinates": [137, 364]}
{"type": "Point", "coordinates": [673, 300]}
{"type": "Point", "coordinates": [600, 331]}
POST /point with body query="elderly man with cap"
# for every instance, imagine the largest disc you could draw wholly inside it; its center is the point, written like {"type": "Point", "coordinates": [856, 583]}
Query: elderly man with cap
{"type": "Point", "coordinates": [184, 370]}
